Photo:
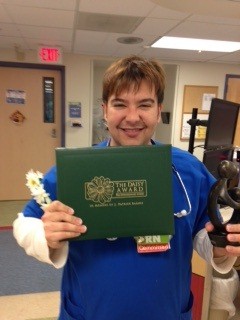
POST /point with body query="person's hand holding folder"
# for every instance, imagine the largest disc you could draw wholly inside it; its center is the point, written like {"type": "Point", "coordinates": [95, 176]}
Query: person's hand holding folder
{"type": "Point", "coordinates": [60, 224]}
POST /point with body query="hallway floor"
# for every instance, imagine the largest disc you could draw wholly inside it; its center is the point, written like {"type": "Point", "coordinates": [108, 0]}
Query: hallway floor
{"type": "Point", "coordinates": [37, 306]}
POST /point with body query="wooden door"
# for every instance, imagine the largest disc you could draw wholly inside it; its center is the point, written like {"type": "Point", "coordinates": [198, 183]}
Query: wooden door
{"type": "Point", "coordinates": [29, 144]}
{"type": "Point", "coordinates": [232, 93]}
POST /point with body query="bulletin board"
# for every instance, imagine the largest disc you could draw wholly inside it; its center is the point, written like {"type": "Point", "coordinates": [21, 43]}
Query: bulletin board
{"type": "Point", "coordinates": [199, 97]}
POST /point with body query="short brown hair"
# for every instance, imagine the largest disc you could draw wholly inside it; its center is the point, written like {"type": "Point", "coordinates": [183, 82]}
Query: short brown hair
{"type": "Point", "coordinates": [130, 71]}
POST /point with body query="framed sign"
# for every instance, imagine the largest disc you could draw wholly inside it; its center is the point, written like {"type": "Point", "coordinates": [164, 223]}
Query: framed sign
{"type": "Point", "coordinates": [75, 110]}
{"type": "Point", "coordinates": [15, 96]}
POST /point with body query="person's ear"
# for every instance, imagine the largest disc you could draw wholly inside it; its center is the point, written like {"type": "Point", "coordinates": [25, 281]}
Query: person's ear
{"type": "Point", "coordinates": [159, 112]}
{"type": "Point", "coordinates": [104, 109]}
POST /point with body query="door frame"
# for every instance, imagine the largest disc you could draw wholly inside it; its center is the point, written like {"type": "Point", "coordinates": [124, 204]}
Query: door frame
{"type": "Point", "coordinates": [227, 77]}
{"type": "Point", "coordinates": [60, 68]}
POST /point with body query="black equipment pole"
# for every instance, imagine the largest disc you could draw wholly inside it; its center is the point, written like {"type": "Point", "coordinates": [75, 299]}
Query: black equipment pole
{"type": "Point", "coordinates": [192, 131]}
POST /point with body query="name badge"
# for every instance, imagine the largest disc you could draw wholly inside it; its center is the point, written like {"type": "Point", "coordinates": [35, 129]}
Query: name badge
{"type": "Point", "coordinates": [155, 243]}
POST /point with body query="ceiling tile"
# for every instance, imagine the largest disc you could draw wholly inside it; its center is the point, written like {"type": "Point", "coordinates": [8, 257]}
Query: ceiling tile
{"type": "Point", "coordinates": [230, 58]}
{"type": "Point", "coordinates": [164, 13]}
{"type": "Point", "coordinates": [4, 17]}
{"type": "Point", "coordinates": [83, 37]}
{"type": "Point", "coordinates": [9, 29]}
{"type": "Point", "coordinates": [123, 7]}
{"type": "Point", "coordinates": [217, 20]}
{"type": "Point", "coordinates": [107, 22]}
{"type": "Point", "coordinates": [33, 44]}
{"type": "Point", "coordinates": [43, 33]}
{"type": "Point", "coordinates": [217, 8]}
{"type": "Point", "coordinates": [126, 50]}
{"type": "Point", "coordinates": [53, 4]}
{"type": "Point", "coordinates": [157, 27]}
{"type": "Point", "coordinates": [41, 17]}
{"type": "Point", "coordinates": [206, 31]}
{"type": "Point", "coordinates": [186, 55]}
{"type": "Point", "coordinates": [89, 41]}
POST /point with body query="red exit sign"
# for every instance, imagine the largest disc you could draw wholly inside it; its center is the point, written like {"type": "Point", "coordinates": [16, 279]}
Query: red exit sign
{"type": "Point", "coordinates": [50, 55]}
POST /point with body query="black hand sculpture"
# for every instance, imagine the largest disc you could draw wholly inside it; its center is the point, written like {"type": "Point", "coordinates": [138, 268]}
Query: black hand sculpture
{"type": "Point", "coordinates": [220, 195]}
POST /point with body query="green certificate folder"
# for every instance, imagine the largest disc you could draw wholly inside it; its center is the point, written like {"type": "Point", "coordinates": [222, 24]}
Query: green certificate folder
{"type": "Point", "coordinates": [118, 191]}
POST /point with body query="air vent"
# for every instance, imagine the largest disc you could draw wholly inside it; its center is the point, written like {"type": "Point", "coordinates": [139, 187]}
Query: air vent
{"type": "Point", "coordinates": [129, 40]}
{"type": "Point", "coordinates": [107, 23]}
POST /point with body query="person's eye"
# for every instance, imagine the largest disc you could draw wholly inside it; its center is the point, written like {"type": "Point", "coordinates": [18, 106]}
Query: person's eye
{"type": "Point", "coordinates": [145, 106]}
{"type": "Point", "coordinates": [119, 105]}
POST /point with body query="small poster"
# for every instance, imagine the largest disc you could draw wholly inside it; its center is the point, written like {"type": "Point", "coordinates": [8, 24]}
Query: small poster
{"type": "Point", "coordinates": [185, 134]}
{"type": "Point", "coordinates": [15, 96]}
{"type": "Point", "coordinates": [207, 100]}
{"type": "Point", "coordinates": [75, 110]}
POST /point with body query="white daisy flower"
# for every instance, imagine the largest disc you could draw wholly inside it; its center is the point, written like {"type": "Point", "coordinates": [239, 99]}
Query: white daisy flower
{"type": "Point", "coordinates": [39, 194]}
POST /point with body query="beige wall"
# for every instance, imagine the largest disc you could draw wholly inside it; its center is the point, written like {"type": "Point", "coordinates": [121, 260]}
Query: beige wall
{"type": "Point", "coordinates": [206, 74]}
{"type": "Point", "coordinates": [79, 87]}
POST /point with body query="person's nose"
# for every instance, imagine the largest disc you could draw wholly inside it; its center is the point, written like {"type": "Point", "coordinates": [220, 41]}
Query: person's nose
{"type": "Point", "coordinates": [132, 115]}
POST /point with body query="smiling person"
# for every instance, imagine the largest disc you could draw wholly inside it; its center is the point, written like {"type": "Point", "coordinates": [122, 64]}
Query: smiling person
{"type": "Point", "coordinates": [107, 278]}
{"type": "Point", "coordinates": [132, 109]}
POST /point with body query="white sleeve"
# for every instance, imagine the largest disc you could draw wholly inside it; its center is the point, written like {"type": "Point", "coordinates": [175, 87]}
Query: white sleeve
{"type": "Point", "coordinates": [204, 248]}
{"type": "Point", "coordinates": [29, 233]}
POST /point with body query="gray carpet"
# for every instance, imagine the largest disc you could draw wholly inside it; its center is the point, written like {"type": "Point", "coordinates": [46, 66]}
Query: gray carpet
{"type": "Point", "coordinates": [20, 273]}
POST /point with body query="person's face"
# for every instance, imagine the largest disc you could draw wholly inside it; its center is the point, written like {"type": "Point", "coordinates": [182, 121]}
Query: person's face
{"type": "Point", "coordinates": [132, 116]}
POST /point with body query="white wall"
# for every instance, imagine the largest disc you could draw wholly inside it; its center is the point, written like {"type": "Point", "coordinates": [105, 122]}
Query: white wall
{"type": "Point", "coordinates": [79, 87]}
{"type": "Point", "coordinates": [164, 131]}
{"type": "Point", "coordinates": [99, 131]}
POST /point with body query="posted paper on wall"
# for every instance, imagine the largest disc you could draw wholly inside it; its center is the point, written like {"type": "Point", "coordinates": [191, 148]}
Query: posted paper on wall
{"type": "Point", "coordinates": [207, 100]}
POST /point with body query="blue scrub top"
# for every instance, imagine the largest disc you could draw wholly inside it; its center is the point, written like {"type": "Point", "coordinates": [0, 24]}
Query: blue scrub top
{"type": "Point", "coordinates": [109, 280]}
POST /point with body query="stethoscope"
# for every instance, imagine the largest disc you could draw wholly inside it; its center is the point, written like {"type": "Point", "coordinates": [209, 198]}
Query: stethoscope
{"type": "Point", "coordinates": [184, 212]}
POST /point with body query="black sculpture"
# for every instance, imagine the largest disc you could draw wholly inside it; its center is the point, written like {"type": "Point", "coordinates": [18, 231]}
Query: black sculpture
{"type": "Point", "coordinates": [221, 195]}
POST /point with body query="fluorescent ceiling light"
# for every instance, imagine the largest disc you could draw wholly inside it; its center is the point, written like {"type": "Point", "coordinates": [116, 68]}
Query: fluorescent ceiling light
{"type": "Point", "coordinates": [196, 44]}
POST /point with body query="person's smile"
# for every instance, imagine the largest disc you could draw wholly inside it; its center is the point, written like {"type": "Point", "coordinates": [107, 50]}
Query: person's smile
{"type": "Point", "coordinates": [132, 132]}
